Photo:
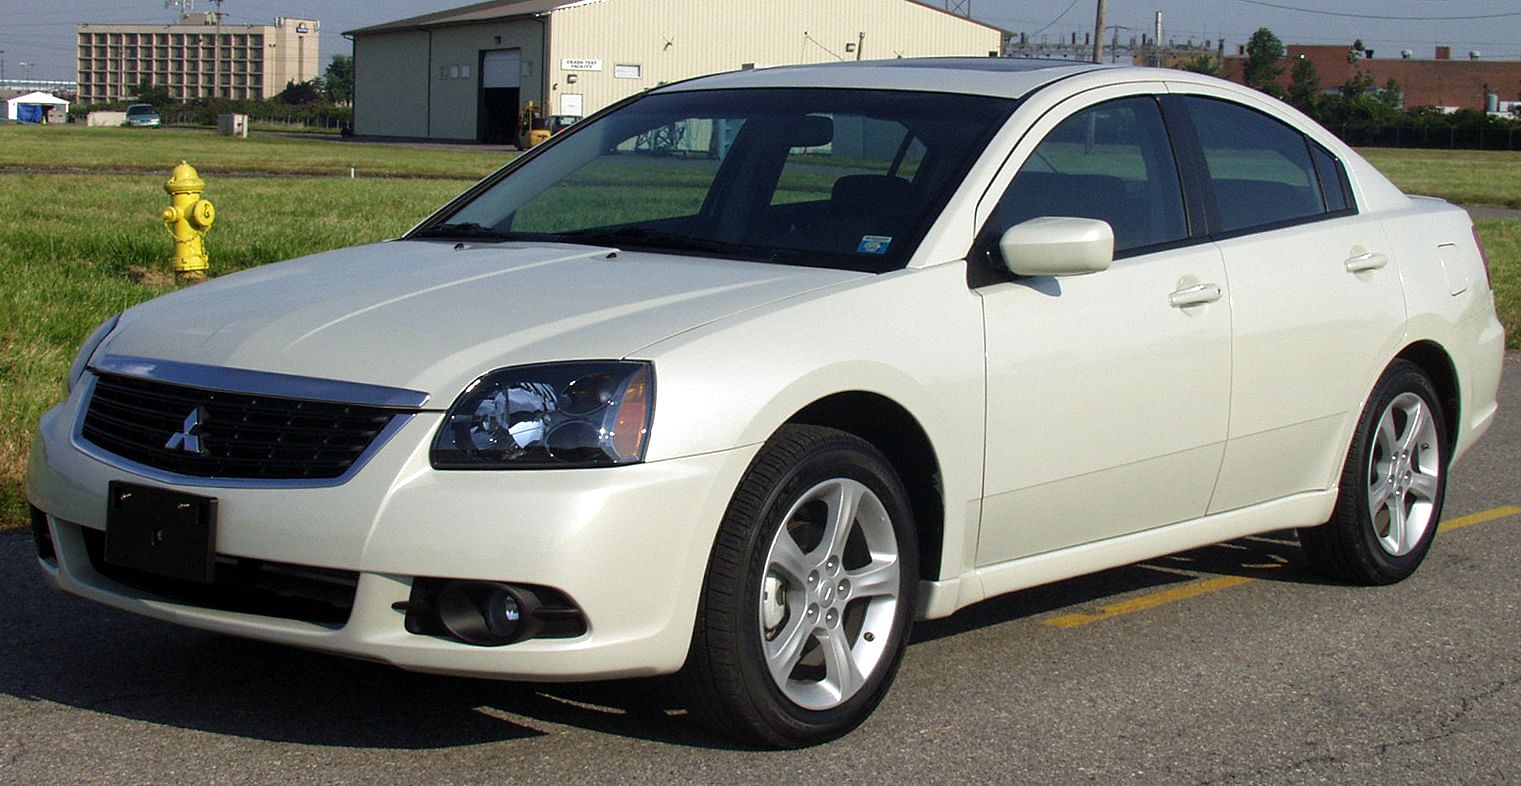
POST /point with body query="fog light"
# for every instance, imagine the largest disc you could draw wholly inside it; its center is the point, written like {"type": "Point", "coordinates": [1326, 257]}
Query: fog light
{"type": "Point", "coordinates": [502, 612]}
{"type": "Point", "coordinates": [485, 613]}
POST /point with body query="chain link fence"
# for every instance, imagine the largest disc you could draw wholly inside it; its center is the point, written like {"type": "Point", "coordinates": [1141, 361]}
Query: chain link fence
{"type": "Point", "coordinates": [1433, 136]}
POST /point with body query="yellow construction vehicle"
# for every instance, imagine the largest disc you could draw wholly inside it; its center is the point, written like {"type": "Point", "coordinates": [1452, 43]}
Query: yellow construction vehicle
{"type": "Point", "coordinates": [535, 129]}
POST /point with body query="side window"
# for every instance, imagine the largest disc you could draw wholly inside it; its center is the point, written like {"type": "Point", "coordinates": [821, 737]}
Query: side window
{"type": "Point", "coordinates": [1112, 162]}
{"type": "Point", "coordinates": [1333, 181]}
{"type": "Point", "coordinates": [1260, 168]}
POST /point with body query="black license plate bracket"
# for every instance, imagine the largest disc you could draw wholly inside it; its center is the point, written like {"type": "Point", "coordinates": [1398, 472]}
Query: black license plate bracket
{"type": "Point", "coordinates": [162, 532]}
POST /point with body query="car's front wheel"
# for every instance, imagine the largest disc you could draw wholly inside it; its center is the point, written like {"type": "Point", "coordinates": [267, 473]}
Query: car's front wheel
{"type": "Point", "coordinates": [1392, 485]}
{"type": "Point", "coordinates": [808, 599]}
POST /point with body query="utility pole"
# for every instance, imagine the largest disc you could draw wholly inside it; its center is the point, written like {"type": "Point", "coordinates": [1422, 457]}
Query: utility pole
{"type": "Point", "coordinates": [1098, 33]}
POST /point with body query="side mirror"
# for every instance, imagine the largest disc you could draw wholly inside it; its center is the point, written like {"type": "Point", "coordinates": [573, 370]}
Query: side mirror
{"type": "Point", "coordinates": [1057, 246]}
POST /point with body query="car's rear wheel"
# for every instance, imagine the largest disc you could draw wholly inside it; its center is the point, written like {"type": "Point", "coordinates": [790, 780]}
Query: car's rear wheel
{"type": "Point", "coordinates": [808, 600]}
{"type": "Point", "coordinates": [1392, 485]}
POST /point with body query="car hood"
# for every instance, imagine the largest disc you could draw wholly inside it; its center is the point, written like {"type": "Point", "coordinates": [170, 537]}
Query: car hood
{"type": "Point", "coordinates": [432, 316]}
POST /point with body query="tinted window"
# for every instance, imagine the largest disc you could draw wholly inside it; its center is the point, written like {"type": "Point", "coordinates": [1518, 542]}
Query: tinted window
{"type": "Point", "coordinates": [883, 150]}
{"type": "Point", "coordinates": [1333, 182]}
{"type": "Point", "coordinates": [1260, 168]}
{"type": "Point", "coordinates": [1111, 162]}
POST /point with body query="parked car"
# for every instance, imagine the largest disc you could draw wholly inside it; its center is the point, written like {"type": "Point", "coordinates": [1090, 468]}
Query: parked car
{"type": "Point", "coordinates": [738, 379]}
{"type": "Point", "coordinates": [142, 116]}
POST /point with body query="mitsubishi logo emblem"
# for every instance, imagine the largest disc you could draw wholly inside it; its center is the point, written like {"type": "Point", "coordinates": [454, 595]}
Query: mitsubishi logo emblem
{"type": "Point", "coordinates": [188, 438]}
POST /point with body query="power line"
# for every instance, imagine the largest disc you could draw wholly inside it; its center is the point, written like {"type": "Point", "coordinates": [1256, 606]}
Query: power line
{"type": "Point", "coordinates": [1057, 19]}
{"type": "Point", "coordinates": [1382, 17]}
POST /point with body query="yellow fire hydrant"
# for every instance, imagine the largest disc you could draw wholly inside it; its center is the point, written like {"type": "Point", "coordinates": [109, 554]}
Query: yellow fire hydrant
{"type": "Point", "coordinates": [188, 218]}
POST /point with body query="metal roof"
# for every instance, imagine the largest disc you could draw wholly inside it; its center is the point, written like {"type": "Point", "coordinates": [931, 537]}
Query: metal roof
{"type": "Point", "coordinates": [493, 10]}
{"type": "Point", "coordinates": [479, 12]}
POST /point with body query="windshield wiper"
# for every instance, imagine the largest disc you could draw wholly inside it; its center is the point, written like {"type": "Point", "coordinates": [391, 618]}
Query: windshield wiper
{"type": "Point", "coordinates": [468, 230]}
{"type": "Point", "coordinates": [647, 238]}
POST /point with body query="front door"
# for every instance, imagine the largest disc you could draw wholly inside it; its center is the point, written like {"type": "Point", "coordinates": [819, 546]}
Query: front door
{"type": "Point", "coordinates": [1121, 377]}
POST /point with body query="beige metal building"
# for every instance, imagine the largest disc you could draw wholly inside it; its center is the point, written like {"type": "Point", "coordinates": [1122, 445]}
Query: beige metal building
{"type": "Point", "coordinates": [465, 74]}
{"type": "Point", "coordinates": [256, 61]}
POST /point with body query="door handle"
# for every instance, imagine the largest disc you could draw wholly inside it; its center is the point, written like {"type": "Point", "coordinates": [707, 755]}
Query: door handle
{"type": "Point", "coordinates": [1196, 295]}
{"type": "Point", "coordinates": [1368, 260]}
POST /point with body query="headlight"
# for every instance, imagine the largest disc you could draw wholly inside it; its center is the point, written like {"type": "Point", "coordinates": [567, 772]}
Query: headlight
{"type": "Point", "coordinates": [82, 360]}
{"type": "Point", "coordinates": [554, 415]}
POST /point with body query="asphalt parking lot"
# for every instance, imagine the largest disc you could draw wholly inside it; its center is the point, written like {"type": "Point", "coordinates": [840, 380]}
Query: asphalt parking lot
{"type": "Point", "coordinates": [1225, 665]}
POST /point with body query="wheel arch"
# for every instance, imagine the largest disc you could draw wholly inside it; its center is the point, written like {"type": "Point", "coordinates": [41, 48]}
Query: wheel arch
{"type": "Point", "coordinates": [892, 429]}
{"type": "Point", "coordinates": [1438, 365]}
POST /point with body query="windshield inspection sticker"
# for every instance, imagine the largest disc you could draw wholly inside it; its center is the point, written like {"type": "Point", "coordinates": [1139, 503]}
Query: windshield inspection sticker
{"type": "Point", "coordinates": [874, 244]}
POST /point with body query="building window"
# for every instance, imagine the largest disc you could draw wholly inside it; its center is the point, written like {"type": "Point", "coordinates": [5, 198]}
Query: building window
{"type": "Point", "coordinates": [628, 71]}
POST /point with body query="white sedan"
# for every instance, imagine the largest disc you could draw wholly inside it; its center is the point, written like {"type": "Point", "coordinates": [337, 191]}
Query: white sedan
{"type": "Point", "coordinates": [738, 379]}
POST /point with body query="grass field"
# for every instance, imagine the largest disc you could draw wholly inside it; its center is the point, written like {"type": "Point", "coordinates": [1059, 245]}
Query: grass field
{"type": "Point", "coordinates": [73, 148]}
{"type": "Point", "coordinates": [76, 247]}
{"type": "Point", "coordinates": [1467, 177]}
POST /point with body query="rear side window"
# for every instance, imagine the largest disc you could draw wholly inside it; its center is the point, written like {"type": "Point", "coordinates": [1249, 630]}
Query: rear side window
{"type": "Point", "coordinates": [1333, 181]}
{"type": "Point", "coordinates": [1112, 162]}
{"type": "Point", "coordinates": [1261, 168]}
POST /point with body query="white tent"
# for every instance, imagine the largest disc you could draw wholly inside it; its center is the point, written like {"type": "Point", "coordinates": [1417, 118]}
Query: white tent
{"type": "Point", "coordinates": [45, 100]}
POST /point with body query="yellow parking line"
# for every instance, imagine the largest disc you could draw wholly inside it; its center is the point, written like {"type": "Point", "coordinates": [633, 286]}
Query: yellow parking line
{"type": "Point", "coordinates": [1479, 518]}
{"type": "Point", "coordinates": [1144, 602]}
{"type": "Point", "coordinates": [1205, 586]}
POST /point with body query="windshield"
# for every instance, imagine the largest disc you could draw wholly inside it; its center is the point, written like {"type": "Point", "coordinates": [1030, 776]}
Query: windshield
{"type": "Point", "coordinates": [140, 109]}
{"type": "Point", "coordinates": [846, 179]}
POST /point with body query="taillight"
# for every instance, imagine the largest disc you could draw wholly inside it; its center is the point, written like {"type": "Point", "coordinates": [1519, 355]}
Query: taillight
{"type": "Point", "coordinates": [1483, 257]}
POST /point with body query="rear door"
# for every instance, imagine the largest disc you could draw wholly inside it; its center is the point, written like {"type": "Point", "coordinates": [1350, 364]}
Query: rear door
{"type": "Point", "coordinates": [1315, 298]}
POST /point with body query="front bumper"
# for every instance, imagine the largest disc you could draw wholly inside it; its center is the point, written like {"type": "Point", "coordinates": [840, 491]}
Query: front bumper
{"type": "Point", "coordinates": [629, 545]}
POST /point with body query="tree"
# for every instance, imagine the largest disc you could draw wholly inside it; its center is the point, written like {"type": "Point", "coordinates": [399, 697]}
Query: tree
{"type": "Point", "coordinates": [1304, 86]}
{"type": "Point", "coordinates": [1357, 51]}
{"type": "Point", "coordinates": [338, 80]}
{"type": "Point", "coordinates": [1263, 51]}
{"type": "Point", "coordinates": [1357, 85]}
{"type": "Point", "coordinates": [1203, 64]}
{"type": "Point", "coordinates": [148, 93]}
{"type": "Point", "coordinates": [1392, 97]}
{"type": "Point", "coordinates": [302, 92]}
{"type": "Point", "coordinates": [1357, 103]}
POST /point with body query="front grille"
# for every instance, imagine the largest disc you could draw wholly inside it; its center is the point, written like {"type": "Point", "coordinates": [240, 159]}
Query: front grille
{"type": "Point", "coordinates": [249, 586]}
{"type": "Point", "coordinates": [238, 435]}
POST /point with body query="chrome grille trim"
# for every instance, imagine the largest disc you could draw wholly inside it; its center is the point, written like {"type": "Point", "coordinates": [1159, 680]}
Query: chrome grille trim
{"type": "Point", "coordinates": [262, 383]}
{"type": "Point", "coordinates": [398, 420]}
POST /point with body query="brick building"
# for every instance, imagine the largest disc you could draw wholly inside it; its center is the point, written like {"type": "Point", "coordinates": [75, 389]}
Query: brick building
{"type": "Point", "coordinates": [1440, 81]}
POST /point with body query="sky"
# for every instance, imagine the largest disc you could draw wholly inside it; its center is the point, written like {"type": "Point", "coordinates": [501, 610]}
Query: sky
{"type": "Point", "coordinates": [41, 34]}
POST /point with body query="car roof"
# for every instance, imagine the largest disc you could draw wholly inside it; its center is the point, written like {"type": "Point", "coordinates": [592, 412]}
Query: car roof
{"type": "Point", "coordinates": [1002, 77]}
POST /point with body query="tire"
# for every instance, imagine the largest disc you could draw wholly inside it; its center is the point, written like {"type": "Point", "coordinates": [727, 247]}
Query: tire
{"type": "Point", "coordinates": [1392, 485]}
{"type": "Point", "coordinates": [802, 624]}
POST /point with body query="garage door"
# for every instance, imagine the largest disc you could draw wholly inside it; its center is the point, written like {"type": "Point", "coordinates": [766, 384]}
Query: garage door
{"type": "Point", "coordinates": [502, 68]}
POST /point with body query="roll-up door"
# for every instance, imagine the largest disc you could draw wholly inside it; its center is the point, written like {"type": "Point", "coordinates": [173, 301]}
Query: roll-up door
{"type": "Point", "coordinates": [502, 68]}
